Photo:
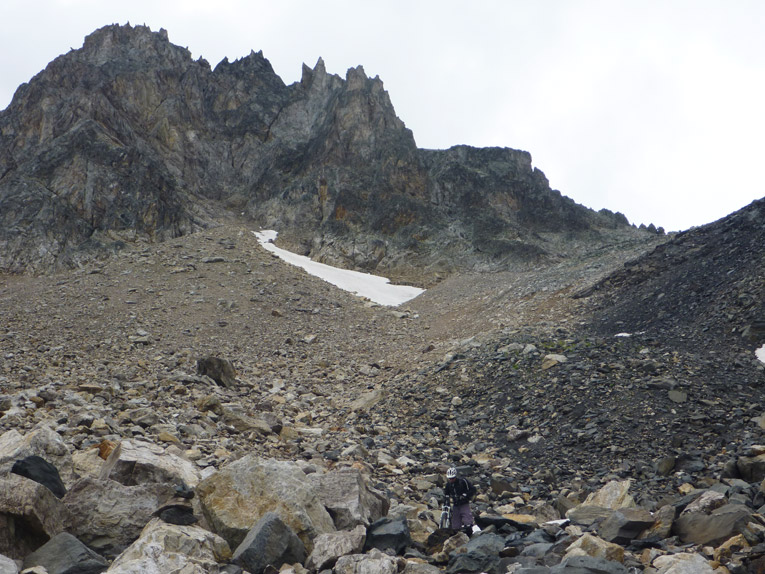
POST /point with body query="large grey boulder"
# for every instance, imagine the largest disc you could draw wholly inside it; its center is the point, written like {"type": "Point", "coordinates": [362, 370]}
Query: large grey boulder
{"type": "Point", "coordinates": [109, 516]}
{"type": "Point", "coordinates": [348, 497]}
{"type": "Point", "coordinates": [30, 515]}
{"type": "Point", "coordinates": [327, 548]}
{"type": "Point", "coordinates": [64, 554]}
{"type": "Point", "coordinates": [166, 547]}
{"type": "Point", "coordinates": [269, 543]}
{"type": "Point", "coordinates": [241, 493]}
{"type": "Point", "coordinates": [141, 462]}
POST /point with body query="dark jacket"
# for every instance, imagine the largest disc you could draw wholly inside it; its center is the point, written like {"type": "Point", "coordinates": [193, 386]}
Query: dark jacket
{"type": "Point", "coordinates": [460, 491]}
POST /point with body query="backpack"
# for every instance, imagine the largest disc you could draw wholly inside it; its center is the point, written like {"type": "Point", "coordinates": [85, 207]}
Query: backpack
{"type": "Point", "coordinates": [472, 490]}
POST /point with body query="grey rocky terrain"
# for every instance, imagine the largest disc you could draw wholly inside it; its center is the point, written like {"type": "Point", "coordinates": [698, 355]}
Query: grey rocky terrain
{"type": "Point", "coordinates": [206, 407]}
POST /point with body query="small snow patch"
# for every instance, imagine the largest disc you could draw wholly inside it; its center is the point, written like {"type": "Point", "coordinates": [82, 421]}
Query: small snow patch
{"type": "Point", "coordinates": [373, 287]}
{"type": "Point", "coordinates": [623, 335]}
{"type": "Point", "coordinates": [761, 354]}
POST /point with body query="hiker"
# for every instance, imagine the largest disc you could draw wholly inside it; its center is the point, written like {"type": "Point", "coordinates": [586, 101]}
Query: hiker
{"type": "Point", "coordinates": [460, 491]}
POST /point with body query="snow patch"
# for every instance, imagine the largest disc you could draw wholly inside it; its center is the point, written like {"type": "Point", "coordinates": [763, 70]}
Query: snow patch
{"type": "Point", "coordinates": [373, 287]}
{"type": "Point", "coordinates": [761, 354]}
{"type": "Point", "coordinates": [623, 335]}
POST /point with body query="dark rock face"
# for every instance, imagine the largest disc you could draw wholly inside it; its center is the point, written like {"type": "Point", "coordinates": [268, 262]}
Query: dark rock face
{"type": "Point", "coordinates": [64, 553]}
{"type": "Point", "coordinates": [129, 138]}
{"type": "Point", "coordinates": [40, 470]}
{"type": "Point", "coordinates": [269, 543]}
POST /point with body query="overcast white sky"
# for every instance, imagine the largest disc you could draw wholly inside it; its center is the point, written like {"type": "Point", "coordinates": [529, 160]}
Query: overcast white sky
{"type": "Point", "coordinates": [654, 108]}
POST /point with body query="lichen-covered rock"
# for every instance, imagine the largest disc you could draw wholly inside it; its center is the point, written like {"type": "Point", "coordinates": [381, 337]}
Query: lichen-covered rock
{"type": "Point", "coordinates": [241, 493]}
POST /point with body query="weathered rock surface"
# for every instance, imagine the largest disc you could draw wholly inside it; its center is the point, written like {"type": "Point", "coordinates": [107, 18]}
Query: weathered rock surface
{"type": "Point", "coordinates": [270, 543]}
{"type": "Point", "coordinates": [134, 462]}
{"type": "Point", "coordinates": [331, 546]}
{"type": "Point", "coordinates": [128, 138]}
{"type": "Point", "coordinates": [109, 516]}
{"type": "Point", "coordinates": [347, 497]}
{"type": "Point", "coordinates": [171, 548]}
{"type": "Point", "coordinates": [30, 514]}
{"type": "Point", "coordinates": [65, 553]}
{"type": "Point", "coordinates": [243, 492]}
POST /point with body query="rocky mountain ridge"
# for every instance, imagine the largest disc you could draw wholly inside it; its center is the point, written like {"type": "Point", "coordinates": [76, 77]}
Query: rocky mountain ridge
{"type": "Point", "coordinates": [128, 137]}
{"type": "Point", "coordinates": [208, 408]}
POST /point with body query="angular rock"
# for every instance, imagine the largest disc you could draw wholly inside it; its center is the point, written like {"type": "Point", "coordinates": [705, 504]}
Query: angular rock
{"type": "Point", "coordinates": [221, 371]}
{"type": "Point", "coordinates": [166, 547]}
{"type": "Point", "coordinates": [751, 468]}
{"type": "Point", "coordinates": [683, 564]}
{"type": "Point", "coordinates": [42, 441]}
{"type": "Point", "coordinates": [552, 360]}
{"type": "Point", "coordinates": [374, 562]}
{"type": "Point", "coordinates": [270, 543]}
{"type": "Point", "coordinates": [473, 562]}
{"type": "Point", "coordinates": [109, 516]}
{"type": "Point", "coordinates": [387, 534]}
{"type": "Point", "coordinates": [138, 462]}
{"type": "Point", "coordinates": [240, 493]}
{"type": "Point", "coordinates": [625, 525]}
{"type": "Point", "coordinates": [588, 565]}
{"type": "Point", "coordinates": [490, 544]}
{"type": "Point", "coordinates": [591, 545]}
{"type": "Point", "coordinates": [613, 495]}
{"type": "Point", "coordinates": [662, 526]}
{"type": "Point", "coordinates": [40, 470]}
{"type": "Point", "coordinates": [327, 548]}
{"type": "Point", "coordinates": [64, 554]}
{"type": "Point", "coordinates": [723, 523]}
{"type": "Point", "coordinates": [588, 515]}
{"type": "Point", "coordinates": [348, 498]}
{"type": "Point", "coordinates": [420, 568]}
{"type": "Point", "coordinates": [30, 514]}
{"type": "Point", "coordinates": [706, 503]}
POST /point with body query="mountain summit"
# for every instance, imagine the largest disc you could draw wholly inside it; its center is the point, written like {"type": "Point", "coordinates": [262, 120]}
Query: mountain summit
{"type": "Point", "coordinates": [128, 138]}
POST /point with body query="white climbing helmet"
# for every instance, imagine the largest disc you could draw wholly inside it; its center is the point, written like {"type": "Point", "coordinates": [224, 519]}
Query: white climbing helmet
{"type": "Point", "coordinates": [451, 473]}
